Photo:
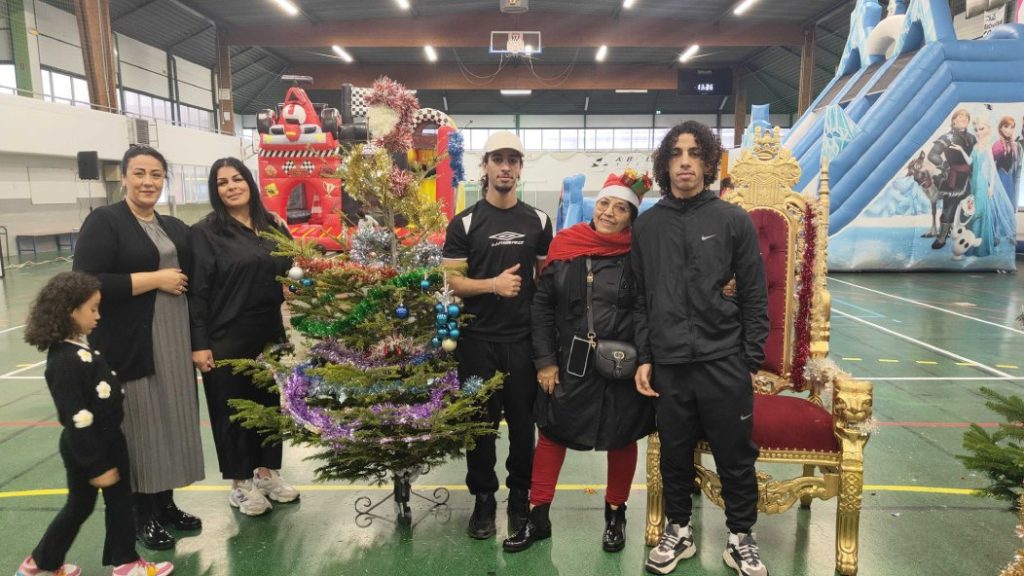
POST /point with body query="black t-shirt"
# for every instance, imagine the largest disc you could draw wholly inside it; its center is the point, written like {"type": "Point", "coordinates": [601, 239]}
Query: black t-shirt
{"type": "Point", "coordinates": [491, 240]}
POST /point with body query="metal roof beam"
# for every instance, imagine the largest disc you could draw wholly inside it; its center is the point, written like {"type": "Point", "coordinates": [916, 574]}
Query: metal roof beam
{"type": "Point", "coordinates": [582, 30]}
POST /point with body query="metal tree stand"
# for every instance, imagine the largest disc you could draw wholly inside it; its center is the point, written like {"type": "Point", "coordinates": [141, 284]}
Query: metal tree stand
{"type": "Point", "coordinates": [401, 494]}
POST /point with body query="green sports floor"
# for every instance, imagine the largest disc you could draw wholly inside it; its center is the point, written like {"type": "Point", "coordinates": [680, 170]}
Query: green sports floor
{"type": "Point", "coordinates": [926, 341]}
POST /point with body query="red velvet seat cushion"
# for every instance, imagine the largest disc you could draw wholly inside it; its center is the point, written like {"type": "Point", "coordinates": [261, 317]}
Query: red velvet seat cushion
{"type": "Point", "coordinates": [791, 423]}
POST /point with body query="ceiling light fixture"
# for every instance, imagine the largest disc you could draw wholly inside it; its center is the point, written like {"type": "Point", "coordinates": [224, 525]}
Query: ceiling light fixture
{"type": "Point", "coordinates": [403, 4]}
{"type": "Point", "coordinates": [631, 91]}
{"type": "Point", "coordinates": [627, 3]}
{"type": "Point", "coordinates": [445, 100]}
{"type": "Point", "coordinates": [601, 53]}
{"type": "Point", "coordinates": [516, 92]}
{"type": "Point", "coordinates": [288, 7]}
{"type": "Point", "coordinates": [586, 104]}
{"type": "Point", "coordinates": [689, 53]}
{"type": "Point", "coordinates": [342, 53]}
{"type": "Point", "coordinates": [431, 54]}
{"type": "Point", "coordinates": [743, 6]}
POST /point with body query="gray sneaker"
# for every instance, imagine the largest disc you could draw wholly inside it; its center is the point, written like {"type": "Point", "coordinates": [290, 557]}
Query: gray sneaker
{"type": "Point", "coordinates": [676, 544]}
{"type": "Point", "coordinates": [741, 554]}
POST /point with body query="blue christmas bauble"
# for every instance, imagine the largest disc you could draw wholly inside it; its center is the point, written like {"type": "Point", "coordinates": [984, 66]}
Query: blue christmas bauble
{"type": "Point", "coordinates": [425, 284]}
{"type": "Point", "coordinates": [435, 342]}
{"type": "Point", "coordinates": [293, 289]}
{"type": "Point", "coordinates": [454, 333]}
{"type": "Point", "coordinates": [307, 282]}
{"type": "Point", "coordinates": [453, 310]}
{"type": "Point", "coordinates": [439, 308]}
{"type": "Point", "coordinates": [442, 319]}
{"type": "Point", "coordinates": [402, 312]}
{"type": "Point", "coordinates": [452, 325]}
{"type": "Point", "coordinates": [442, 333]}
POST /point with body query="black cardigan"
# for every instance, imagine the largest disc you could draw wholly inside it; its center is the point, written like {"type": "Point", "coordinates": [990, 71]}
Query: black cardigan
{"type": "Point", "coordinates": [112, 245]}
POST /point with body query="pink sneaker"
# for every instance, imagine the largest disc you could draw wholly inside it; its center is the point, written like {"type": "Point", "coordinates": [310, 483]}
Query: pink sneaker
{"type": "Point", "coordinates": [29, 568]}
{"type": "Point", "coordinates": [142, 568]}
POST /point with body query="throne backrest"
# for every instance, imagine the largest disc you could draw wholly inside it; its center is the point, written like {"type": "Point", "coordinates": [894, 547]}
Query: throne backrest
{"type": "Point", "coordinates": [788, 225]}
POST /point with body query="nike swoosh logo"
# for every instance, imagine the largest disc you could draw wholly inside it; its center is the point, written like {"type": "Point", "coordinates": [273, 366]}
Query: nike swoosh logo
{"type": "Point", "coordinates": [703, 238]}
{"type": "Point", "coordinates": [747, 417]}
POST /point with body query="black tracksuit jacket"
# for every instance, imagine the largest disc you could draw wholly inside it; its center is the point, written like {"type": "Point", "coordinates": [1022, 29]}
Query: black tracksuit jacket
{"type": "Point", "coordinates": [684, 252]}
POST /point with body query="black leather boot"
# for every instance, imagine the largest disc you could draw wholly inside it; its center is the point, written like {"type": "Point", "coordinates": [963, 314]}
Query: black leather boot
{"type": "Point", "coordinates": [518, 508]}
{"type": "Point", "coordinates": [149, 532]}
{"type": "Point", "coordinates": [481, 523]}
{"type": "Point", "coordinates": [614, 538]}
{"type": "Point", "coordinates": [940, 239]}
{"type": "Point", "coordinates": [537, 527]}
{"type": "Point", "coordinates": [168, 513]}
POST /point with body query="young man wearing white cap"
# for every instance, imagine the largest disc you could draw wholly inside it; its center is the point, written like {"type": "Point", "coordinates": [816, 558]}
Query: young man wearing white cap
{"type": "Point", "coordinates": [495, 247]}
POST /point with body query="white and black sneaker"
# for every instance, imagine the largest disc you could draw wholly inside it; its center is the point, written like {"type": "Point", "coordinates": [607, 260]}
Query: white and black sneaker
{"type": "Point", "coordinates": [741, 554]}
{"type": "Point", "coordinates": [676, 544]}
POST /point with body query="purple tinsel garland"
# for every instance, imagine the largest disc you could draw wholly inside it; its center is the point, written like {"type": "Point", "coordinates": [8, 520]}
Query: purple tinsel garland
{"type": "Point", "coordinates": [333, 352]}
{"type": "Point", "coordinates": [296, 388]}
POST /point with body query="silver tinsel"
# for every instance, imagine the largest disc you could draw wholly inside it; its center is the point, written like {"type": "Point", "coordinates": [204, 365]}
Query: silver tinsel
{"type": "Point", "coordinates": [371, 246]}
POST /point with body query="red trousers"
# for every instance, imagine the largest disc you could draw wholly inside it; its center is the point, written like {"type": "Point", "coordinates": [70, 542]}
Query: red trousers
{"type": "Point", "coordinates": [547, 463]}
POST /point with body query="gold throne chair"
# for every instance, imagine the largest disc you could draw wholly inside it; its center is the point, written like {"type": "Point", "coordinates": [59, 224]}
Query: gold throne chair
{"type": "Point", "coordinates": [793, 424]}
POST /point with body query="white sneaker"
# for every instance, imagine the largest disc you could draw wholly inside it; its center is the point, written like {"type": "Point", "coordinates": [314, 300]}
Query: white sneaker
{"type": "Point", "coordinates": [248, 499]}
{"type": "Point", "coordinates": [275, 488]}
{"type": "Point", "coordinates": [742, 555]}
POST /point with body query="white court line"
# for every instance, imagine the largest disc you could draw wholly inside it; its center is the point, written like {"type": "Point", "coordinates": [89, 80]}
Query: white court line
{"type": "Point", "coordinates": [22, 369]}
{"type": "Point", "coordinates": [942, 351]}
{"type": "Point", "coordinates": [949, 379]}
{"type": "Point", "coordinates": [22, 377]}
{"type": "Point", "coordinates": [12, 329]}
{"type": "Point", "coordinates": [924, 305]}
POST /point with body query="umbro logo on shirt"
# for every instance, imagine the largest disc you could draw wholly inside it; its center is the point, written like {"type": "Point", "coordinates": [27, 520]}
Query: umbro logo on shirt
{"type": "Point", "coordinates": [508, 239]}
{"type": "Point", "coordinates": [507, 236]}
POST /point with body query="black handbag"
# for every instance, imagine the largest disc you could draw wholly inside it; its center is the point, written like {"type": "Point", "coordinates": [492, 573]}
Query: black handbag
{"type": "Point", "coordinates": [613, 359]}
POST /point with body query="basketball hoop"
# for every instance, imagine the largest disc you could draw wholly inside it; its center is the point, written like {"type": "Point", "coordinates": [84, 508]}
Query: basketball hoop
{"type": "Point", "coordinates": [516, 43]}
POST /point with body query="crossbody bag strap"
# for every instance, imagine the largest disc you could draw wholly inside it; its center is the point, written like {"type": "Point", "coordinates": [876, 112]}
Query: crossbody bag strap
{"type": "Point", "coordinates": [591, 335]}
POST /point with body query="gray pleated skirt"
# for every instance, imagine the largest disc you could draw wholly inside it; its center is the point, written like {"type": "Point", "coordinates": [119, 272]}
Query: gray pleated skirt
{"type": "Point", "coordinates": [161, 412]}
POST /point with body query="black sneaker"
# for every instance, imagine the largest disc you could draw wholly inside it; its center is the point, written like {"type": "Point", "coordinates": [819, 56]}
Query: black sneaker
{"type": "Point", "coordinates": [676, 544]}
{"type": "Point", "coordinates": [481, 523]}
{"type": "Point", "coordinates": [741, 554]}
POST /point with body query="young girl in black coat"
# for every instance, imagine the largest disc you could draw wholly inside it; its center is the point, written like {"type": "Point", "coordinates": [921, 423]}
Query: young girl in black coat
{"type": "Point", "coordinates": [88, 398]}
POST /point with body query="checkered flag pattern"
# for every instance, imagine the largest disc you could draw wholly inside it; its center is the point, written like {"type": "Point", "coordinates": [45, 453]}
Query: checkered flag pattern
{"type": "Point", "coordinates": [307, 166]}
{"type": "Point", "coordinates": [288, 166]}
{"type": "Point", "coordinates": [359, 107]}
{"type": "Point", "coordinates": [431, 116]}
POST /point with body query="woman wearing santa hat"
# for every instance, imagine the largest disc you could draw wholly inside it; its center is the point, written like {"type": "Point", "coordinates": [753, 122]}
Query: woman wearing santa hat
{"type": "Point", "coordinates": [580, 409]}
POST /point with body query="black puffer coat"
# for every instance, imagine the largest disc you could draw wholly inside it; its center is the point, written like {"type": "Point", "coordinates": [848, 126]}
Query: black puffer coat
{"type": "Point", "coordinates": [591, 412]}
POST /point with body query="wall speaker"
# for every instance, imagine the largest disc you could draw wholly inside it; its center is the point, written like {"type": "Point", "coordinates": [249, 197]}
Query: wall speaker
{"type": "Point", "coordinates": [88, 166]}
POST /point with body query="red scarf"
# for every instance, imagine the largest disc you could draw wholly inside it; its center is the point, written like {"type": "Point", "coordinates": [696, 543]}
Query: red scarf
{"type": "Point", "coordinates": [582, 240]}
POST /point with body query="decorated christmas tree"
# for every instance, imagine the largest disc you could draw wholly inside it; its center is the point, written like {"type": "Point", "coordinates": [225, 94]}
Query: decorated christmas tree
{"type": "Point", "coordinates": [369, 378]}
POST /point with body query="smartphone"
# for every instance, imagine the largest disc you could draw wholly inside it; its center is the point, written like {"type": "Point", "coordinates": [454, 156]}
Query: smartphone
{"type": "Point", "coordinates": [579, 357]}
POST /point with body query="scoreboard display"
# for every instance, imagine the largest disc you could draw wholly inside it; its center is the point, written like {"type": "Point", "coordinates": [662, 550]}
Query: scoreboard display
{"type": "Point", "coordinates": [705, 82]}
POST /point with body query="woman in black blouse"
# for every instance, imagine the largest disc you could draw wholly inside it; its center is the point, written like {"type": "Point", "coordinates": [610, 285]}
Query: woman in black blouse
{"type": "Point", "coordinates": [235, 305]}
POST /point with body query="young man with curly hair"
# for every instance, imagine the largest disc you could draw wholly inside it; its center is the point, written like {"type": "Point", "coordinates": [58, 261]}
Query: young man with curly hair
{"type": "Point", "coordinates": [699, 347]}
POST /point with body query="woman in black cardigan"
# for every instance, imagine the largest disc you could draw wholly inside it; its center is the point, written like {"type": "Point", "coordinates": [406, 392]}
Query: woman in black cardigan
{"type": "Point", "coordinates": [142, 260]}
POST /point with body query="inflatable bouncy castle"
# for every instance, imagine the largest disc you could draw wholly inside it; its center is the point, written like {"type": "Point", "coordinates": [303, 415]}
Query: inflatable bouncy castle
{"type": "Point", "coordinates": [922, 133]}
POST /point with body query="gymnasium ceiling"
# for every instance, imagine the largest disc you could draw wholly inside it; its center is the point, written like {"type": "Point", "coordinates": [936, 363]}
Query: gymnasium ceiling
{"type": "Point", "coordinates": [644, 43]}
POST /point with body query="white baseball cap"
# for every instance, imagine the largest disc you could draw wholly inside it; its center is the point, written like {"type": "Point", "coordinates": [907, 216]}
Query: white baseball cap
{"type": "Point", "coordinates": [504, 140]}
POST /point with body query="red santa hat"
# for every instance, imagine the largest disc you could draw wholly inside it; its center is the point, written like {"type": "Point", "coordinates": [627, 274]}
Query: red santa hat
{"type": "Point", "coordinates": [626, 187]}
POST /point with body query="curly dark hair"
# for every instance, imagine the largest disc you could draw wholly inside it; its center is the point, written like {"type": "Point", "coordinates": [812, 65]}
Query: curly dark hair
{"type": "Point", "coordinates": [49, 319]}
{"type": "Point", "coordinates": [710, 151]}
